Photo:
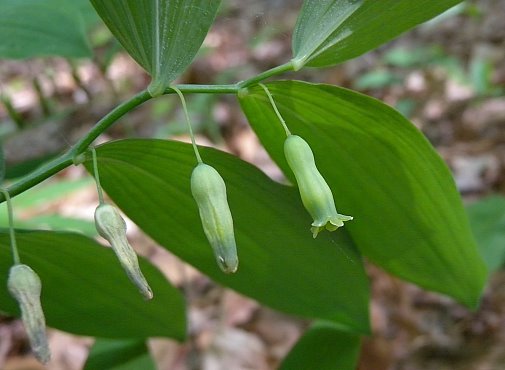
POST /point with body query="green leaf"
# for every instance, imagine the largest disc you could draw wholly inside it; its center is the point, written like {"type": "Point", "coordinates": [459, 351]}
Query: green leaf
{"type": "Point", "coordinates": [39, 196]}
{"type": "Point", "coordinates": [329, 32]}
{"type": "Point", "coordinates": [280, 264]}
{"type": "Point", "coordinates": [163, 36]}
{"type": "Point", "coordinates": [31, 28]}
{"type": "Point", "coordinates": [56, 222]}
{"type": "Point", "coordinates": [408, 216]}
{"type": "Point", "coordinates": [87, 13]}
{"type": "Point", "coordinates": [487, 218]}
{"type": "Point", "coordinates": [85, 291]}
{"type": "Point", "coordinates": [323, 347]}
{"type": "Point", "coordinates": [107, 354]}
{"type": "Point", "coordinates": [47, 192]}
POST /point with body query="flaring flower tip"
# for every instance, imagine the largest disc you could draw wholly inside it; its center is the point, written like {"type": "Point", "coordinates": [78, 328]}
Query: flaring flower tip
{"type": "Point", "coordinates": [315, 193]}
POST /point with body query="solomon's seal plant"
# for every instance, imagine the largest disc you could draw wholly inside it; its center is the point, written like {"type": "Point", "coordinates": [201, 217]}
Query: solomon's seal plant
{"type": "Point", "coordinates": [383, 162]}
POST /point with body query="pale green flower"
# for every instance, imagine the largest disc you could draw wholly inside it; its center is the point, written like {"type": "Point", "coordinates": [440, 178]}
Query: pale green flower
{"type": "Point", "coordinates": [111, 226]}
{"type": "Point", "coordinates": [315, 193]}
{"type": "Point", "coordinates": [209, 192]}
{"type": "Point", "coordinates": [24, 285]}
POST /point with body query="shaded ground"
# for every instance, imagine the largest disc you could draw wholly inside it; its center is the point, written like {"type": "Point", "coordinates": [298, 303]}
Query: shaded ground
{"type": "Point", "coordinates": [447, 77]}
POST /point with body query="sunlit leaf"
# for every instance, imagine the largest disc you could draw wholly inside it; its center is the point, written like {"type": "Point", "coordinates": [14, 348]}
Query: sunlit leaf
{"type": "Point", "coordinates": [86, 292]}
{"type": "Point", "coordinates": [323, 347]}
{"type": "Point", "coordinates": [281, 265]}
{"type": "Point", "coordinates": [331, 31]}
{"type": "Point", "coordinates": [117, 354]}
{"type": "Point", "coordinates": [408, 215]}
{"type": "Point", "coordinates": [163, 36]}
{"type": "Point", "coordinates": [30, 28]}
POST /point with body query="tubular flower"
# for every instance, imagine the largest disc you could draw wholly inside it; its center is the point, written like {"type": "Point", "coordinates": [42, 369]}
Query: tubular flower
{"type": "Point", "coordinates": [112, 227]}
{"type": "Point", "coordinates": [24, 285]}
{"type": "Point", "coordinates": [315, 193]}
{"type": "Point", "coordinates": [209, 192]}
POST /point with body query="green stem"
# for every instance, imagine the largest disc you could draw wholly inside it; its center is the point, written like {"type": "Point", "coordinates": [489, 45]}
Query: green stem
{"type": "Point", "coordinates": [286, 67]}
{"type": "Point", "coordinates": [67, 158]}
{"type": "Point", "coordinates": [188, 121]}
{"type": "Point", "coordinates": [14, 246]}
{"type": "Point", "coordinates": [40, 174]}
{"type": "Point", "coordinates": [270, 97]}
{"type": "Point", "coordinates": [97, 177]}
{"type": "Point", "coordinates": [204, 89]}
{"type": "Point", "coordinates": [108, 120]}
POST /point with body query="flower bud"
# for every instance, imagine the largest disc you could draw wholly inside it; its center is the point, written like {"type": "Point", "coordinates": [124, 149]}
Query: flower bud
{"type": "Point", "coordinates": [111, 226]}
{"type": "Point", "coordinates": [209, 192]}
{"type": "Point", "coordinates": [314, 191]}
{"type": "Point", "coordinates": [24, 285]}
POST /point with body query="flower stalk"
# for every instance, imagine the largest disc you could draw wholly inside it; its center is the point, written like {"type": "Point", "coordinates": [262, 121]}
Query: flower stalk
{"type": "Point", "coordinates": [10, 216]}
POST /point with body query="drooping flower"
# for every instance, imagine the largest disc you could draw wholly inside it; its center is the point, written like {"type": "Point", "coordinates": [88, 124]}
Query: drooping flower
{"type": "Point", "coordinates": [111, 226]}
{"type": "Point", "coordinates": [25, 286]}
{"type": "Point", "coordinates": [209, 191]}
{"type": "Point", "coordinates": [315, 193]}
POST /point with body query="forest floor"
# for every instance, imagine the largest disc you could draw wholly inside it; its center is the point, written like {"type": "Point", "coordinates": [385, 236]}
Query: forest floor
{"type": "Point", "coordinates": [447, 77]}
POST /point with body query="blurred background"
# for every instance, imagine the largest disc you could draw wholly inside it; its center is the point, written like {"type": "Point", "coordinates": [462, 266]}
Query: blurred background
{"type": "Point", "coordinates": [447, 76]}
